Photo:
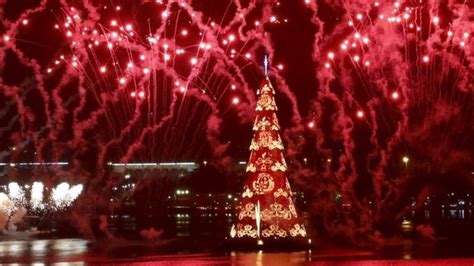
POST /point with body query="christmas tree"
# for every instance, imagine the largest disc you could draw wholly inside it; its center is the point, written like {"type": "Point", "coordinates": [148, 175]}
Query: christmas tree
{"type": "Point", "coordinates": [266, 209]}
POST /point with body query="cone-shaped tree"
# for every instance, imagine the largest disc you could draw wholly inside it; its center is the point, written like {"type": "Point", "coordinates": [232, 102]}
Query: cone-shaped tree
{"type": "Point", "coordinates": [266, 209]}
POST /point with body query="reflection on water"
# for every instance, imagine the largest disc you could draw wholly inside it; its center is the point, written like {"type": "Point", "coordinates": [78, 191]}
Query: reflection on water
{"type": "Point", "coordinates": [261, 258]}
{"type": "Point", "coordinates": [39, 251]}
{"type": "Point", "coordinates": [81, 252]}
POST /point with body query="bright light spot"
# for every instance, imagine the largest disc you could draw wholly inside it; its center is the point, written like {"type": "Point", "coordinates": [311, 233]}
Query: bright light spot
{"type": "Point", "coordinates": [360, 114]}
{"type": "Point", "coordinates": [356, 58]}
{"type": "Point", "coordinates": [103, 69]}
{"type": "Point", "coordinates": [36, 199]}
{"type": "Point", "coordinates": [184, 32]}
{"type": "Point", "coordinates": [128, 27]}
{"type": "Point", "coordinates": [141, 94]}
{"type": "Point", "coordinates": [166, 57]}
{"type": "Point", "coordinates": [152, 40]}
{"type": "Point", "coordinates": [113, 23]}
{"type": "Point", "coordinates": [233, 87]}
{"type": "Point", "coordinates": [359, 16]}
{"type": "Point", "coordinates": [182, 89]}
{"type": "Point", "coordinates": [146, 70]}
{"type": "Point", "coordinates": [24, 22]}
{"type": "Point", "coordinates": [15, 192]}
{"type": "Point", "coordinates": [122, 80]}
{"type": "Point", "coordinates": [130, 65]}
{"type": "Point", "coordinates": [133, 94]}
{"type": "Point", "coordinates": [248, 56]}
{"type": "Point", "coordinates": [194, 61]}
{"type": "Point", "coordinates": [63, 195]}
{"type": "Point", "coordinates": [327, 65]}
{"type": "Point", "coordinates": [367, 63]}
{"type": "Point", "coordinates": [436, 20]}
{"type": "Point", "coordinates": [235, 100]}
{"type": "Point", "coordinates": [395, 95]}
{"type": "Point", "coordinates": [164, 14]}
{"type": "Point", "coordinates": [6, 38]}
{"type": "Point", "coordinates": [331, 55]}
{"type": "Point", "coordinates": [405, 159]}
{"type": "Point", "coordinates": [311, 124]}
{"type": "Point", "coordinates": [426, 59]}
{"type": "Point", "coordinates": [307, 1]}
{"type": "Point", "coordinates": [231, 38]}
{"type": "Point", "coordinates": [466, 35]}
{"type": "Point", "coordinates": [280, 66]}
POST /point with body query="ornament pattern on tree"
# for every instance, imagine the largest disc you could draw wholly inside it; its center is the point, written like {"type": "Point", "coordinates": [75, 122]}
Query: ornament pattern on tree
{"type": "Point", "coordinates": [248, 211]}
{"type": "Point", "coordinates": [263, 184]}
{"type": "Point", "coordinates": [266, 208]}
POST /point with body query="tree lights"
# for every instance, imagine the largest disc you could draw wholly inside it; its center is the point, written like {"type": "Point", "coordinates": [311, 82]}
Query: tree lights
{"type": "Point", "coordinates": [266, 210]}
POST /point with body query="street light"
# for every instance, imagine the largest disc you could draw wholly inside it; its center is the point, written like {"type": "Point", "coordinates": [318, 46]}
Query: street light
{"type": "Point", "coordinates": [405, 160]}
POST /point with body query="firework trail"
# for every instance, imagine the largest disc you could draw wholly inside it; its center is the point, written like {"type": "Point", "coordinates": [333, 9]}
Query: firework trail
{"type": "Point", "coordinates": [128, 81]}
{"type": "Point", "coordinates": [22, 199]}
{"type": "Point", "coordinates": [396, 77]}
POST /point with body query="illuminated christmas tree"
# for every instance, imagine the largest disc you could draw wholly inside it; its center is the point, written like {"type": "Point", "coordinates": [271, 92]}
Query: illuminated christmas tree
{"type": "Point", "coordinates": [266, 209]}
